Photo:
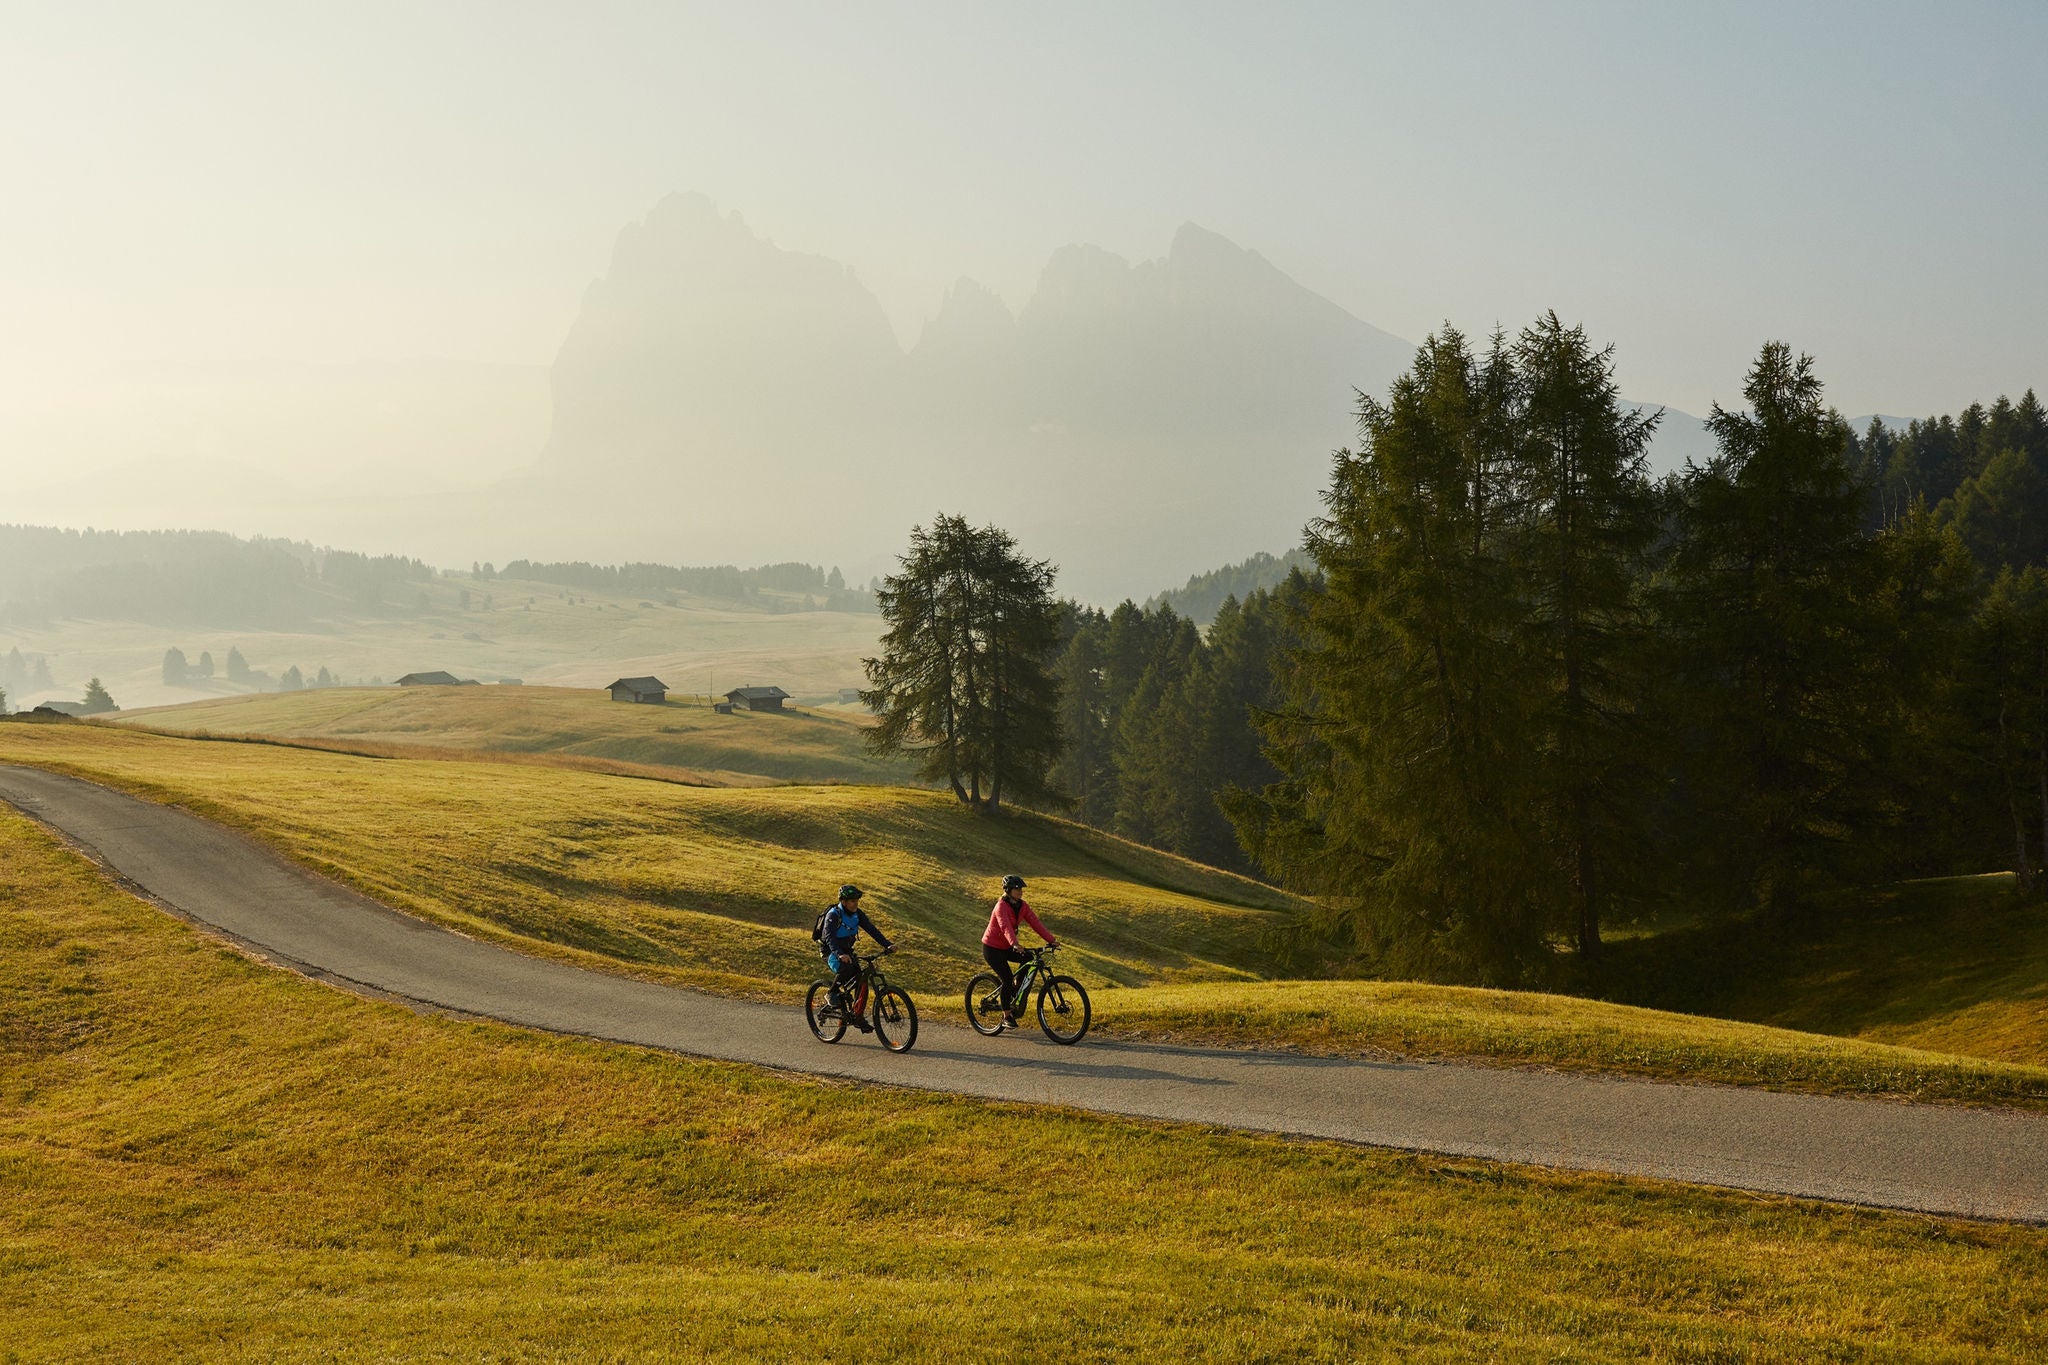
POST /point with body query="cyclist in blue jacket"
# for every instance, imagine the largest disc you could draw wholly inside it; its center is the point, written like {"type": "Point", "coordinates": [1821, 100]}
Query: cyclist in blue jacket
{"type": "Point", "coordinates": [837, 930]}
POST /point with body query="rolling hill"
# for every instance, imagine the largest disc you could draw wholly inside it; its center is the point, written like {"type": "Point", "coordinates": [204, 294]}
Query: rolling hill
{"type": "Point", "coordinates": [684, 739]}
{"type": "Point", "coordinates": [717, 888]}
{"type": "Point", "coordinates": [209, 1157]}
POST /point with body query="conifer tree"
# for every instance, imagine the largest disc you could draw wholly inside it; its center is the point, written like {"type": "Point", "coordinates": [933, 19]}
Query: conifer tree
{"type": "Point", "coordinates": [1764, 599]}
{"type": "Point", "coordinates": [97, 698]}
{"type": "Point", "coordinates": [1086, 770]}
{"type": "Point", "coordinates": [1403, 797]}
{"type": "Point", "coordinates": [2009, 678]}
{"type": "Point", "coordinates": [1584, 517]}
{"type": "Point", "coordinates": [965, 678]}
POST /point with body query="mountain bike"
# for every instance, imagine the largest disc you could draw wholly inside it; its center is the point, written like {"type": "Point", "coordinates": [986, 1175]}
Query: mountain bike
{"type": "Point", "coordinates": [1063, 1009]}
{"type": "Point", "coordinates": [876, 1005]}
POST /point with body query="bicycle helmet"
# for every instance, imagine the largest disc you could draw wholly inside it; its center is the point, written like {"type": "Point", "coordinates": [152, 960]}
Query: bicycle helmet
{"type": "Point", "coordinates": [1013, 882]}
{"type": "Point", "coordinates": [849, 892]}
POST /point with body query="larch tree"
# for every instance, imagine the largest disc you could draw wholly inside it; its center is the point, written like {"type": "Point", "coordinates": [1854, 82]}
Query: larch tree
{"type": "Point", "coordinates": [1767, 604]}
{"type": "Point", "coordinates": [1403, 805]}
{"type": "Point", "coordinates": [1585, 515]}
{"type": "Point", "coordinates": [965, 676]}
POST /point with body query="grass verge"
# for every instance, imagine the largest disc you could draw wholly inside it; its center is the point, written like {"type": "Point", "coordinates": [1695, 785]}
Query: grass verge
{"type": "Point", "coordinates": [1364, 1018]}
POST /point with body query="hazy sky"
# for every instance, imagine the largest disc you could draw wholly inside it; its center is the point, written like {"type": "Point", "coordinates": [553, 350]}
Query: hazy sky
{"type": "Point", "coordinates": [203, 201]}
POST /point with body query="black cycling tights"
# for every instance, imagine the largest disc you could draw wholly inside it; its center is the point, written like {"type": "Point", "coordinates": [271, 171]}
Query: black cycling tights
{"type": "Point", "coordinates": [999, 960]}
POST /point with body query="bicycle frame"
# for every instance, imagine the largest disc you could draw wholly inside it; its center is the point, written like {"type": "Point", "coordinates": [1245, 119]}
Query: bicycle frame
{"type": "Point", "coordinates": [1027, 978]}
{"type": "Point", "coordinates": [869, 983]}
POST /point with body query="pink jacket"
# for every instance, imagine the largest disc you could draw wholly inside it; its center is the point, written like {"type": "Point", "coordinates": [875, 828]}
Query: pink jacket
{"type": "Point", "coordinates": [1002, 924]}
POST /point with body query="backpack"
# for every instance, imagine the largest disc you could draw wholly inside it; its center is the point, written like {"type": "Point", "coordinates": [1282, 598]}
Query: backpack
{"type": "Point", "coordinates": [818, 925]}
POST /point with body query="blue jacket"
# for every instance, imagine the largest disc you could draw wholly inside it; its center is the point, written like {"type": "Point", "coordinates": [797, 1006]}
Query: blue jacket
{"type": "Point", "coordinates": [843, 926]}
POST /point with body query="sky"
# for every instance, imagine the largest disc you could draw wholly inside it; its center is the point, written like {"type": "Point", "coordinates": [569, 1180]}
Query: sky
{"type": "Point", "coordinates": [301, 240]}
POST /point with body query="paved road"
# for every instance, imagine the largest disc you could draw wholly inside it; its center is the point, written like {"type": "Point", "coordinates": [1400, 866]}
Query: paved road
{"type": "Point", "coordinates": [1936, 1159]}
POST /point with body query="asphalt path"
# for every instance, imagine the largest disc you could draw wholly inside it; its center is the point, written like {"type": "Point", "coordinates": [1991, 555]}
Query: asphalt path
{"type": "Point", "coordinates": [1984, 1163]}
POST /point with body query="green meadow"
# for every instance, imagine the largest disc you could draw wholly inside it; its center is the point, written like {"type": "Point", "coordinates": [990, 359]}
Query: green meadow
{"type": "Point", "coordinates": [207, 1157]}
{"type": "Point", "coordinates": [483, 629]}
{"type": "Point", "coordinates": [682, 740]}
{"type": "Point", "coordinates": [717, 887]}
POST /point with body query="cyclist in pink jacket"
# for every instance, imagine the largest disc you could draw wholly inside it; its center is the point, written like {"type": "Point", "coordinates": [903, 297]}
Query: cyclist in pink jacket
{"type": "Point", "coordinates": [999, 942]}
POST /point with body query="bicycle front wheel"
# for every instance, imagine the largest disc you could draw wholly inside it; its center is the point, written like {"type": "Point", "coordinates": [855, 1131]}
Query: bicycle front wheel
{"type": "Point", "coordinates": [829, 1024]}
{"type": "Point", "coordinates": [1063, 1010]}
{"type": "Point", "coordinates": [985, 1004]}
{"type": "Point", "coordinates": [895, 1020]}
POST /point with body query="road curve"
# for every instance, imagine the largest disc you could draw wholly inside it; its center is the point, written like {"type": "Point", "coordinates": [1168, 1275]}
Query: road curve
{"type": "Point", "coordinates": [1983, 1163]}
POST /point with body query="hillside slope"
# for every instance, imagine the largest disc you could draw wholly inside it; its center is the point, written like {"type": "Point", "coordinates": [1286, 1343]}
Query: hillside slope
{"type": "Point", "coordinates": [206, 1157]}
{"type": "Point", "coordinates": [736, 750]}
{"type": "Point", "coordinates": [1956, 964]}
{"type": "Point", "coordinates": [716, 886]}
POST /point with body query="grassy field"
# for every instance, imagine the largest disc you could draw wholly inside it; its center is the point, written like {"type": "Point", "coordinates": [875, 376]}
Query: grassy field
{"type": "Point", "coordinates": [207, 1158]}
{"type": "Point", "coordinates": [708, 886]}
{"type": "Point", "coordinates": [1409, 1019]}
{"type": "Point", "coordinates": [687, 741]}
{"type": "Point", "coordinates": [539, 632]}
{"type": "Point", "coordinates": [717, 888]}
{"type": "Point", "coordinates": [1956, 964]}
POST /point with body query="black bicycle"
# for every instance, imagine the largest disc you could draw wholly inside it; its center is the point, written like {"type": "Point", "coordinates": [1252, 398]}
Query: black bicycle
{"type": "Point", "coordinates": [875, 1005]}
{"type": "Point", "coordinates": [1063, 1009]}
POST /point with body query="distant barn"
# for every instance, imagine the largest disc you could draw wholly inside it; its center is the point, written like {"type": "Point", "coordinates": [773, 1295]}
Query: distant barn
{"type": "Point", "coordinates": [435, 679]}
{"type": "Point", "coordinates": [653, 691]}
{"type": "Point", "coordinates": [849, 695]}
{"type": "Point", "coordinates": [758, 698]}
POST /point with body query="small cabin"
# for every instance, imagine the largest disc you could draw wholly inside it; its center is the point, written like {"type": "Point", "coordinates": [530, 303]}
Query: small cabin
{"type": "Point", "coordinates": [757, 698]}
{"type": "Point", "coordinates": [651, 691]}
{"type": "Point", "coordinates": [849, 696]}
{"type": "Point", "coordinates": [722, 708]}
{"type": "Point", "coordinates": [435, 679]}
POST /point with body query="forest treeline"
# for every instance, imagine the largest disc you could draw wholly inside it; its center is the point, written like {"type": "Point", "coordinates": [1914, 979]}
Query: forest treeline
{"type": "Point", "coordinates": [723, 581]}
{"type": "Point", "coordinates": [1203, 595]}
{"type": "Point", "coordinates": [190, 578]}
{"type": "Point", "coordinates": [1527, 693]}
{"type": "Point", "coordinates": [213, 579]}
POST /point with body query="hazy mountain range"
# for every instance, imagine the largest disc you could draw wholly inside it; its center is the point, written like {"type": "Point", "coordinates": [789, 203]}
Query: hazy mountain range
{"type": "Point", "coordinates": [1134, 423]}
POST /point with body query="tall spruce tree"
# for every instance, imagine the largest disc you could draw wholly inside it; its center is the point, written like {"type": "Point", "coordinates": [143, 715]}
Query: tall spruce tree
{"type": "Point", "coordinates": [1086, 769]}
{"type": "Point", "coordinates": [1765, 600]}
{"type": "Point", "coordinates": [965, 678]}
{"type": "Point", "coordinates": [1584, 517]}
{"type": "Point", "coordinates": [2009, 688]}
{"type": "Point", "coordinates": [1404, 797]}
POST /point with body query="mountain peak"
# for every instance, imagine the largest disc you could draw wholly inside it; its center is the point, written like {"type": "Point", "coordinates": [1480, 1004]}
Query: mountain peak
{"type": "Point", "coordinates": [1193, 240]}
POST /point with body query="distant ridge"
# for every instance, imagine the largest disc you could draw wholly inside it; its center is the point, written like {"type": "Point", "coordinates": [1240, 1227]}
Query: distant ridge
{"type": "Point", "coordinates": [1127, 421]}
{"type": "Point", "coordinates": [1204, 594]}
{"type": "Point", "coordinates": [1132, 422]}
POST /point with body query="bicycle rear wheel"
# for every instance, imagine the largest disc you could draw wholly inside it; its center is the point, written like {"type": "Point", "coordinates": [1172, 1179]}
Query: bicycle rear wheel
{"type": "Point", "coordinates": [1063, 1010]}
{"type": "Point", "coordinates": [829, 1024]}
{"type": "Point", "coordinates": [985, 1004]}
{"type": "Point", "coordinates": [895, 1020]}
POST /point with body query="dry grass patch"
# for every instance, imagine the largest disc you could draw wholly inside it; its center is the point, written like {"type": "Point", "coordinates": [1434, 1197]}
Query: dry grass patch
{"type": "Point", "coordinates": [571, 725]}
{"type": "Point", "coordinates": [1526, 1027]}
